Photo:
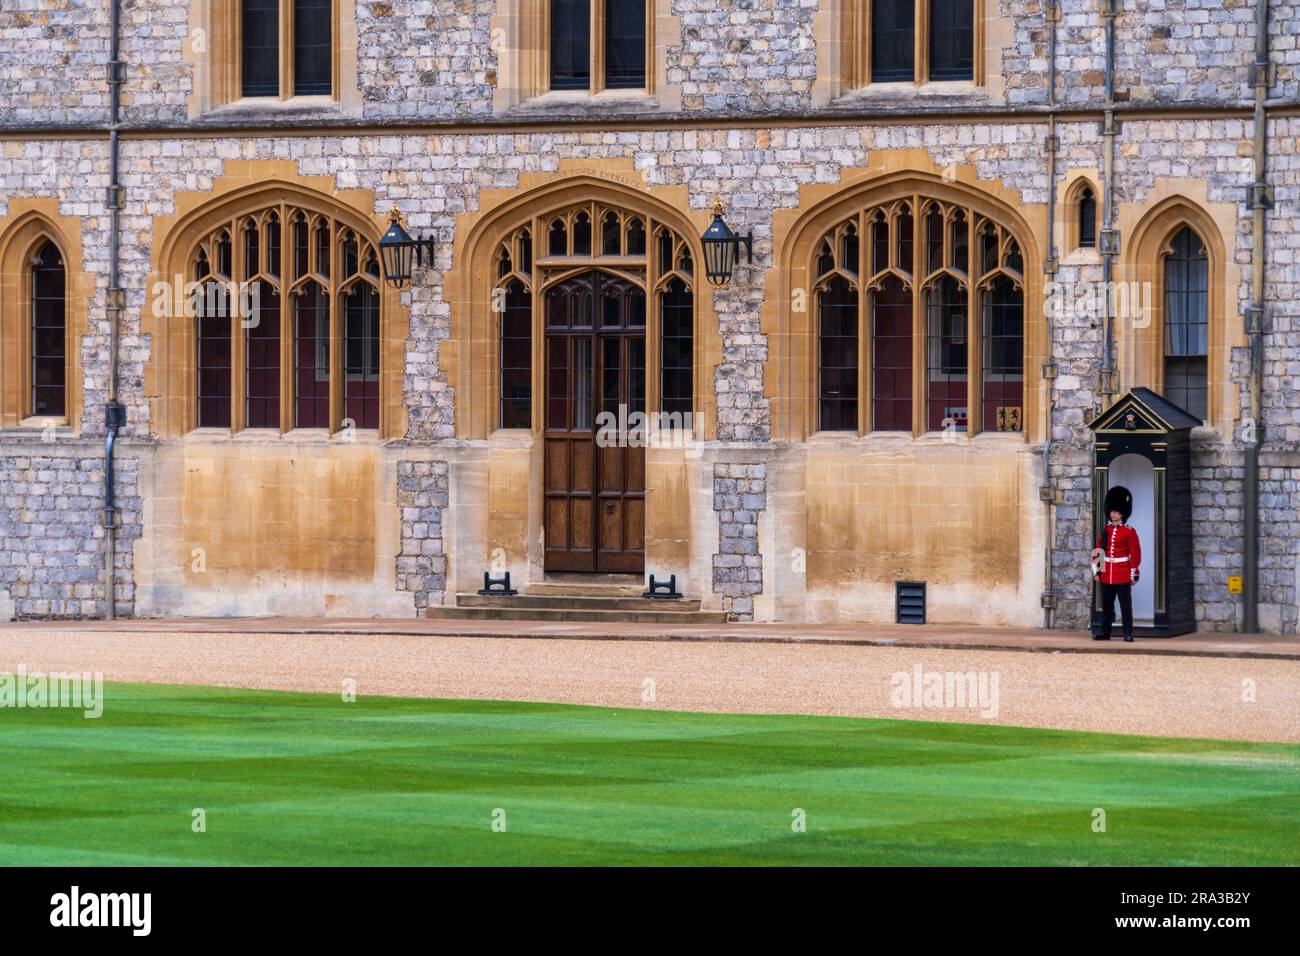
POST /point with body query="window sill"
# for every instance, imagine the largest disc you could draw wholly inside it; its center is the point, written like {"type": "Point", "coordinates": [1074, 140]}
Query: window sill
{"type": "Point", "coordinates": [40, 428]}
{"type": "Point", "coordinates": [296, 436]}
{"type": "Point", "coordinates": [906, 94]}
{"type": "Point", "coordinates": [272, 107]}
{"type": "Point", "coordinates": [833, 438]}
{"type": "Point", "coordinates": [578, 102]}
{"type": "Point", "coordinates": [511, 438]}
{"type": "Point", "coordinates": [1082, 256]}
{"type": "Point", "coordinates": [925, 438]}
{"type": "Point", "coordinates": [1000, 438]}
{"type": "Point", "coordinates": [872, 437]}
{"type": "Point", "coordinates": [38, 422]}
{"type": "Point", "coordinates": [944, 437]}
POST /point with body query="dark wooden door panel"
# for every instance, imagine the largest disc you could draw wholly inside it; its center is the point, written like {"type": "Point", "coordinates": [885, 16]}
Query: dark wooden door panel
{"type": "Point", "coordinates": [557, 465]}
{"type": "Point", "coordinates": [582, 451]}
{"type": "Point", "coordinates": [611, 527]}
{"type": "Point", "coordinates": [610, 469]}
{"type": "Point", "coordinates": [595, 489]}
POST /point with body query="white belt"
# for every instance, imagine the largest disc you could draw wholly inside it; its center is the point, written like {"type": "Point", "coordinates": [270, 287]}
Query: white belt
{"type": "Point", "coordinates": [1115, 560]}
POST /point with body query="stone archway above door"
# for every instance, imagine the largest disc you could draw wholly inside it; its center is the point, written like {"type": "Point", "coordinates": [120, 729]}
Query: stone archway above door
{"type": "Point", "coordinates": [472, 357]}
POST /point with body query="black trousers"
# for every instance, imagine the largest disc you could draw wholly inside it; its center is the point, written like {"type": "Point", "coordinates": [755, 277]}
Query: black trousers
{"type": "Point", "coordinates": [1108, 594]}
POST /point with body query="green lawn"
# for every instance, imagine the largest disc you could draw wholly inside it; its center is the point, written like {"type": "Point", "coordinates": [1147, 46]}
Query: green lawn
{"type": "Point", "coordinates": [308, 779]}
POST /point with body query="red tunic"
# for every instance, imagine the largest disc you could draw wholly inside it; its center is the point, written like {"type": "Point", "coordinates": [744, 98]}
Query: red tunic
{"type": "Point", "coordinates": [1119, 543]}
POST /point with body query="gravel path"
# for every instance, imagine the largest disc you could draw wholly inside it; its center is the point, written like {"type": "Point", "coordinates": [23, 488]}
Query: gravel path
{"type": "Point", "coordinates": [1131, 693]}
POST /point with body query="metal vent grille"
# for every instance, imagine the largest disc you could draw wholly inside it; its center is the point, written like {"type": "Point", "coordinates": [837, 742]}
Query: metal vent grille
{"type": "Point", "coordinates": [909, 602]}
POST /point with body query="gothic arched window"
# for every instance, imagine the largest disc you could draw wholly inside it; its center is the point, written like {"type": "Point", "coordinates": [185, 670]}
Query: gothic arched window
{"type": "Point", "coordinates": [49, 332]}
{"type": "Point", "coordinates": [1087, 219]}
{"type": "Point", "coordinates": [938, 318]}
{"type": "Point", "coordinates": [271, 352]}
{"type": "Point", "coordinates": [651, 258]}
{"type": "Point", "coordinates": [1186, 322]}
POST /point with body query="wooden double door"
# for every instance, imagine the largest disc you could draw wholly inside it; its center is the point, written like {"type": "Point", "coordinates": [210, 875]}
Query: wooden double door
{"type": "Point", "coordinates": [595, 460]}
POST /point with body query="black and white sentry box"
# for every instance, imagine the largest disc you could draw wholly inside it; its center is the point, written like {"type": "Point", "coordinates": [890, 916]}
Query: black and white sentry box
{"type": "Point", "coordinates": [1143, 443]}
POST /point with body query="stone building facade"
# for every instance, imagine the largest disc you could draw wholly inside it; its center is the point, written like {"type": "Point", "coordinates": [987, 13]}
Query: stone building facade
{"type": "Point", "coordinates": [443, 110]}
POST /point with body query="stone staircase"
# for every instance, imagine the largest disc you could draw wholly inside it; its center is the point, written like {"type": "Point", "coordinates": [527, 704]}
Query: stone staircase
{"type": "Point", "coordinates": [613, 599]}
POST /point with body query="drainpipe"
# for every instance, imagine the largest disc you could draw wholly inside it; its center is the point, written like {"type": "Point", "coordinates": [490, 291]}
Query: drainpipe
{"type": "Point", "coordinates": [1261, 199]}
{"type": "Point", "coordinates": [114, 412]}
{"type": "Point", "coordinates": [1047, 491]}
{"type": "Point", "coordinates": [1109, 235]}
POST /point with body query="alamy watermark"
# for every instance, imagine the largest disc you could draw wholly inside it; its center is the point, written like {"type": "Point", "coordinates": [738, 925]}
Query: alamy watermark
{"type": "Point", "coordinates": [973, 690]}
{"type": "Point", "coordinates": [1128, 302]}
{"type": "Point", "coordinates": [628, 429]}
{"type": "Point", "coordinates": [36, 690]}
{"type": "Point", "coordinates": [76, 908]}
{"type": "Point", "coordinates": [209, 297]}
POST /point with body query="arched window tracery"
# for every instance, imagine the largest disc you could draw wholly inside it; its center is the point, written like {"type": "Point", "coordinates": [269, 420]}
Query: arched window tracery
{"type": "Point", "coordinates": [642, 254]}
{"type": "Point", "coordinates": [270, 350]}
{"type": "Point", "coordinates": [935, 325]}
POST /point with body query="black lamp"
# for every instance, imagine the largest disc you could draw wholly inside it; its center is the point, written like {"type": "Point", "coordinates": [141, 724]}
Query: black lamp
{"type": "Point", "coordinates": [397, 249]}
{"type": "Point", "coordinates": [722, 248]}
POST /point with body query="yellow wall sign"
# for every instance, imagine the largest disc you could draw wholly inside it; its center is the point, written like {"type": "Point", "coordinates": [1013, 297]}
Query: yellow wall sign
{"type": "Point", "coordinates": [1234, 584]}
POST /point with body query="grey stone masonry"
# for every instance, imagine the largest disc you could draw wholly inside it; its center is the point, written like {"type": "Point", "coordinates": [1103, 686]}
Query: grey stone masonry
{"type": "Point", "coordinates": [444, 59]}
{"type": "Point", "coordinates": [51, 565]}
{"type": "Point", "coordinates": [1279, 560]}
{"type": "Point", "coordinates": [422, 495]}
{"type": "Point", "coordinates": [745, 55]}
{"type": "Point", "coordinates": [739, 498]}
{"type": "Point", "coordinates": [753, 131]}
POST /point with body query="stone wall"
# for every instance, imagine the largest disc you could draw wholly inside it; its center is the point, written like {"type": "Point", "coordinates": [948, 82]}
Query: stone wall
{"type": "Point", "coordinates": [52, 562]}
{"type": "Point", "coordinates": [52, 55]}
{"type": "Point", "coordinates": [757, 171]}
{"type": "Point", "coordinates": [425, 58]}
{"type": "Point", "coordinates": [739, 498]}
{"type": "Point", "coordinates": [1279, 559]}
{"type": "Point", "coordinates": [422, 501]}
{"type": "Point", "coordinates": [439, 59]}
{"type": "Point", "coordinates": [745, 55]}
{"type": "Point", "coordinates": [435, 59]}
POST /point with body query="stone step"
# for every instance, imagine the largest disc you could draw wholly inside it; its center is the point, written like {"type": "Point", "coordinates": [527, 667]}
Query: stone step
{"type": "Point", "coordinates": [612, 618]}
{"type": "Point", "coordinates": [588, 585]}
{"type": "Point", "coordinates": [576, 602]}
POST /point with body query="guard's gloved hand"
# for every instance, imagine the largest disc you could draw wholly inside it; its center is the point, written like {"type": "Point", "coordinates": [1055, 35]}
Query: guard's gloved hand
{"type": "Point", "coordinates": [1135, 575]}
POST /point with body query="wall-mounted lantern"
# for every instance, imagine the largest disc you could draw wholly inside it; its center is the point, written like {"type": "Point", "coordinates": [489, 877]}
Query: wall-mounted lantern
{"type": "Point", "coordinates": [722, 248]}
{"type": "Point", "coordinates": [397, 250]}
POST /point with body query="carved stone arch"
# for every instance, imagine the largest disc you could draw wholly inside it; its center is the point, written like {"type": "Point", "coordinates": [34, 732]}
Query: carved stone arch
{"type": "Point", "coordinates": [471, 356]}
{"type": "Point", "coordinates": [32, 223]}
{"type": "Point", "coordinates": [1139, 341]}
{"type": "Point", "coordinates": [790, 314]}
{"type": "Point", "coordinates": [170, 373]}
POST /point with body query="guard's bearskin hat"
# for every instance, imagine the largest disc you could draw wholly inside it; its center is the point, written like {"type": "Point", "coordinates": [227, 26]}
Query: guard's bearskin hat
{"type": "Point", "coordinates": [1119, 499]}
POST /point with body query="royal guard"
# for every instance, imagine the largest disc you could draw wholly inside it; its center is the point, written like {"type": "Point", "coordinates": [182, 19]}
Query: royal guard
{"type": "Point", "coordinates": [1115, 561]}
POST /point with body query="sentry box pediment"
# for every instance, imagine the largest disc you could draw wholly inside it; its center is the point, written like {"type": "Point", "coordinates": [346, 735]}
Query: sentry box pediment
{"type": "Point", "coordinates": [1143, 412]}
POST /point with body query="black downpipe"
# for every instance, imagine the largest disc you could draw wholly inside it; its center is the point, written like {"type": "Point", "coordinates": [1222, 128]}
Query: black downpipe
{"type": "Point", "coordinates": [1260, 201]}
{"type": "Point", "coordinates": [1047, 490]}
{"type": "Point", "coordinates": [114, 411]}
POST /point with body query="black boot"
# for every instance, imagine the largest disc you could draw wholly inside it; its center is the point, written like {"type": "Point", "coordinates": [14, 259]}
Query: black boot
{"type": "Point", "coordinates": [1128, 638]}
{"type": "Point", "coordinates": [1100, 637]}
